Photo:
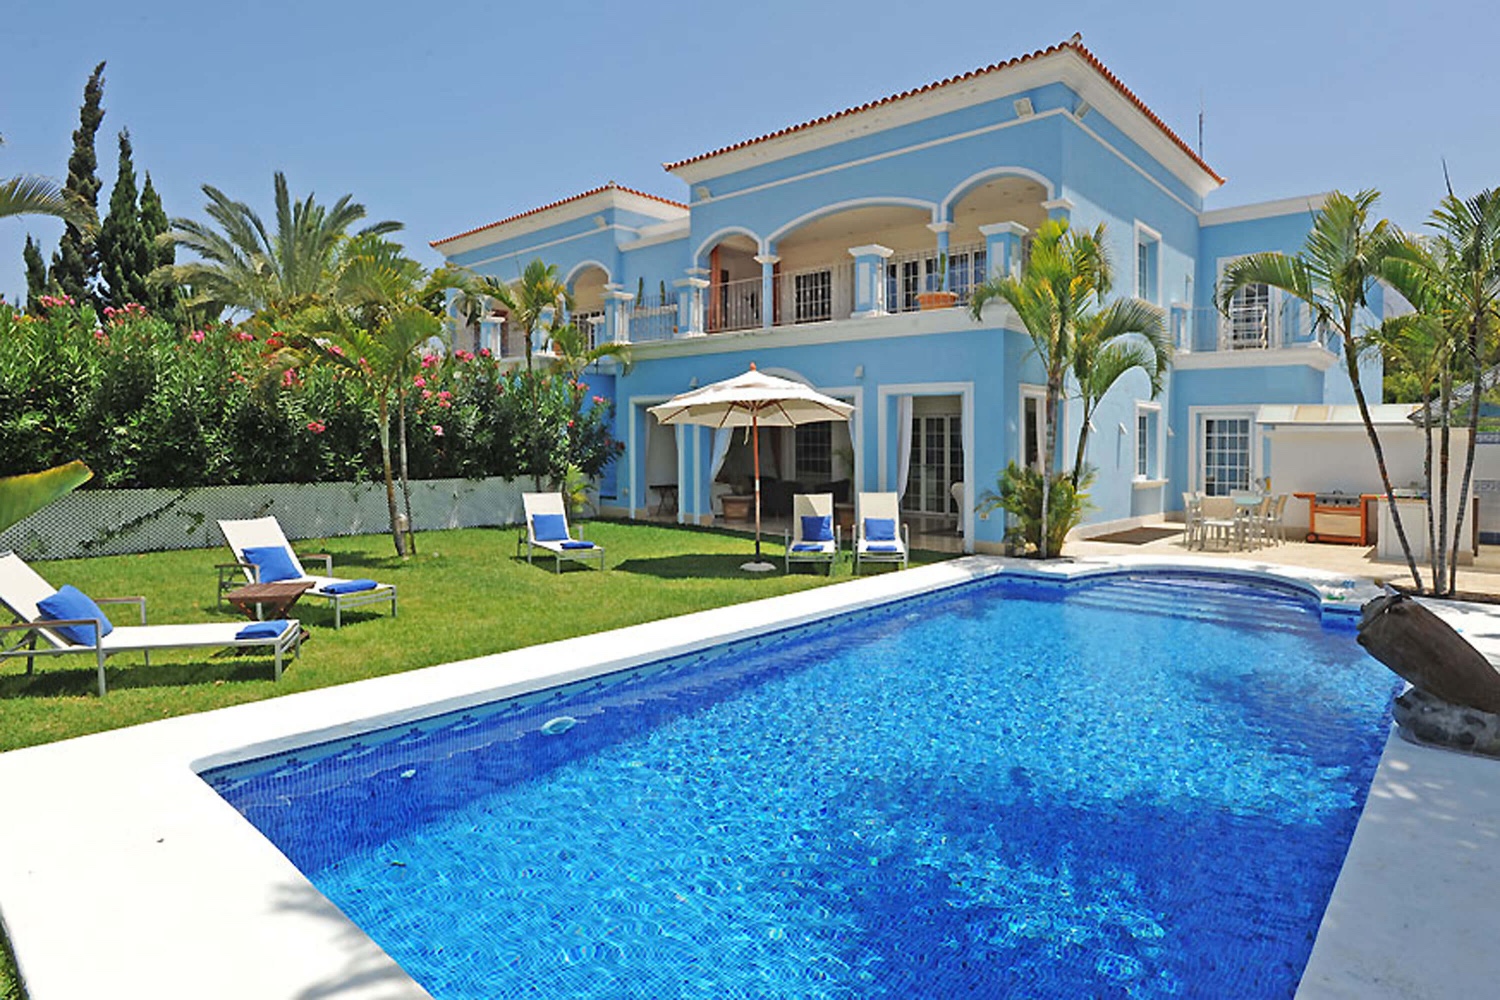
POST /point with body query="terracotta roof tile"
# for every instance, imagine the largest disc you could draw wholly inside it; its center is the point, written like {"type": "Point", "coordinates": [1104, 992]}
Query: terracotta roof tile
{"type": "Point", "coordinates": [1075, 43]}
{"type": "Point", "coordinates": [562, 201]}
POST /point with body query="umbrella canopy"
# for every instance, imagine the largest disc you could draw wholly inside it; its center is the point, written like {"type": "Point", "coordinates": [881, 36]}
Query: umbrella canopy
{"type": "Point", "coordinates": [752, 400]}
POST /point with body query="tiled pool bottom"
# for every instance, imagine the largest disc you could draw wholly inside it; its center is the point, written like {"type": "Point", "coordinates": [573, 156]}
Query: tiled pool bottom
{"type": "Point", "coordinates": [999, 791]}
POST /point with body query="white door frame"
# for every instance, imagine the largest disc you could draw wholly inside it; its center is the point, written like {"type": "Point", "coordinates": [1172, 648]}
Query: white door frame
{"type": "Point", "coordinates": [1196, 415]}
{"type": "Point", "coordinates": [965, 391]}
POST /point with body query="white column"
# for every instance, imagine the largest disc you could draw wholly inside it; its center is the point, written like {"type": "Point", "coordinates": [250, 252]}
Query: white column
{"type": "Point", "coordinates": [869, 277]}
{"type": "Point", "coordinates": [767, 262]}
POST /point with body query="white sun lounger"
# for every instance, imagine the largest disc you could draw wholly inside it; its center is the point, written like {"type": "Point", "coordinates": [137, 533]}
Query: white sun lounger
{"type": "Point", "coordinates": [800, 548]}
{"type": "Point", "coordinates": [885, 507]}
{"type": "Point", "coordinates": [266, 531]}
{"type": "Point", "coordinates": [21, 588]}
{"type": "Point", "coordinates": [566, 547]}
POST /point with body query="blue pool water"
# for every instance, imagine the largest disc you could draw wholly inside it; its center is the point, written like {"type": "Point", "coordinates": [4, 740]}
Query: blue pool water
{"type": "Point", "coordinates": [1140, 787]}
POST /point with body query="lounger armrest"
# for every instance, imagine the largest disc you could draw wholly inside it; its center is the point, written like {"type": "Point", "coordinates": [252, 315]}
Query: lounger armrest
{"type": "Point", "coordinates": [323, 557]}
{"type": "Point", "coordinates": [225, 569]}
{"type": "Point", "coordinates": [136, 600]}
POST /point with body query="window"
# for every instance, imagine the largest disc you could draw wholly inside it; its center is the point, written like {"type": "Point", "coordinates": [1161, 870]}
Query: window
{"type": "Point", "coordinates": [812, 296]}
{"type": "Point", "coordinates": [1147, 264]}
{"type": "Point", "coordinates": [1033, 428]}
{"type": "Point", "coordinates": [813, 444]}
{"type": "Point", "coordinates": [967, 269]}
{"type": "Point", "coordinates": [1147, 450]}
{"type": "Point", "coordinates": [1248, 326]}
{"type": "Point", "coordinates": [1226, 455]}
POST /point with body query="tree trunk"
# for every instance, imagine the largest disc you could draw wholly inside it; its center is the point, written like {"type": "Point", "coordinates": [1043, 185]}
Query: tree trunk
{"type": "Point", "coordinates": [1054, 391]}
{"type": "Point", "coordinates": [1463, 489]}
{"type": "Point", "coordinates": [411, 529]}
{"type": "Point", "coordinates": [1351, 362]}
{"type": "Point", "coordinates": [1083, 437]}
{"type": "Point", "coordinates": [1440, 540]}
{"type": "Point", "coordinates": [1425, 650]}
{"type": "Point", "coordinates": [384, 410]}
{"type": "Point", "coordinates": [1427, 475]}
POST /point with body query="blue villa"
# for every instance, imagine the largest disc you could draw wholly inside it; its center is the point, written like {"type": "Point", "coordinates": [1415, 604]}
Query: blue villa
{"type": "Point", "coordinates": [805, 252]}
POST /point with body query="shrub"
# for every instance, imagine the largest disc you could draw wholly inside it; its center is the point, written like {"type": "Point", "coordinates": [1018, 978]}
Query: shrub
{"type": "Point", "coordinates": [1019, 493]}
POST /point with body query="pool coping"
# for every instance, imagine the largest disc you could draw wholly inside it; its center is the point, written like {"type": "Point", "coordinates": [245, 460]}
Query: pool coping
{"type": "Point", "coordinates": [119, 865]}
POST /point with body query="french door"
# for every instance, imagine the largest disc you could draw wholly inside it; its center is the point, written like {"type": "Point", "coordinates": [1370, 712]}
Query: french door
{"type": "Point", "coordinates": [937, 462]}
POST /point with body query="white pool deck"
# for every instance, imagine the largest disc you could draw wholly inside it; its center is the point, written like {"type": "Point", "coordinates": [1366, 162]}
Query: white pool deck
{"type": "Point", "coordinates": [123, 874]}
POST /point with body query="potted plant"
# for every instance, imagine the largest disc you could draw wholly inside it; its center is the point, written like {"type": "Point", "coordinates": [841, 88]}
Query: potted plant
{"type": "Point", "coordinates": [938, 296]}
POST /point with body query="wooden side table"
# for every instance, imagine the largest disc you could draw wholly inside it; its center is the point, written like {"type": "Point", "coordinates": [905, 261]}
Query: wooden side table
{"type": "Point", "coordinates": [736, 508]}
{"type": "Point", "coordinates": [256, 599]}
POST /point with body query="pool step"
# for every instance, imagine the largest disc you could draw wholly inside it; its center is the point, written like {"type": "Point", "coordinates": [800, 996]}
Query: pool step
{"type": "Point", "coordinates": [1223, 603]}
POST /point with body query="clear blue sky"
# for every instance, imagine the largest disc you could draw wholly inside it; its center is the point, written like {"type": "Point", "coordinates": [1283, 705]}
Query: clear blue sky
{"type": "Point", "coordinates": [447, 116]}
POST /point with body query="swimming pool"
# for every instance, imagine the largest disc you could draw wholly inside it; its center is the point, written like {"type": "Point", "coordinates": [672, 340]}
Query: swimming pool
{"type": "Point", "coordinates": [1001, 789]}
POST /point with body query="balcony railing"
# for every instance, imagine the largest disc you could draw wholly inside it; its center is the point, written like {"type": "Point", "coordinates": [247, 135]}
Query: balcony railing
{"type": "Point", "coordinates": [653, 318]}
{"type": "Point", "coordinates": [1264, 323]}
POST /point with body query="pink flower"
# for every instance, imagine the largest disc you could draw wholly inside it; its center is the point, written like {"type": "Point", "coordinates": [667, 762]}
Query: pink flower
{"type": "Point", "coordinates": [419, 382]}
{"type": "Point", "coordinates": [244, 335]}
{"type": "Point", "coordinates": [196, 336]}
{"type": "Point", "coordinates": [426, 393]}
{"type": "Point", "coordinates": [336, 350]}
{"type": "Point", "coordinates": [429, 360]}
{"type": "Point", "coordinates": [445, 404]}
{"type": "Point", "coordinates": [598, 400]}
{"type": "Point", "coordinates": [570, 423]}
{"type": "Point", "coordinates": [99, 334]}
{"type": "Point", "coordinates": [445, 394]}
{"type": "Point", "coordinates": [484, 352]}
{"type": "Point", "coordinates": [437, 430]}
{"type": "Point", "coordinates": [289, 377]}
{"type": "Point", "coordinates": [463, 355]}
{"type": "Point", "coordinates": [316, 427]}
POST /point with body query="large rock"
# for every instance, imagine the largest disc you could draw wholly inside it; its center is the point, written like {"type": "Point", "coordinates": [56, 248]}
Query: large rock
{"type": "Point", "coordinates": [1427, 652]}
{"type": "Point", "coordinates": [1428, 719]}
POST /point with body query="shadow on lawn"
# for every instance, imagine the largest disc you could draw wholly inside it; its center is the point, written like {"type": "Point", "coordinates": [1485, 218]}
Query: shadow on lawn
{"type": "Point", "coordinates": [710, 567]}
{"type": "Point", "coordinates": [57, 677]}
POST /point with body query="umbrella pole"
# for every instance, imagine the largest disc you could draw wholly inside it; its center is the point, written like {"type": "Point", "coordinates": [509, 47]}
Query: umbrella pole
{"type": "Point", "coordinates": [755, 447]}
{"type": "Point", "coordinates": [757, 565]}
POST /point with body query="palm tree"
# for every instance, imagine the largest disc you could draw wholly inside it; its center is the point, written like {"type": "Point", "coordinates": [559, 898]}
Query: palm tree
{"type": "Point", "coordinates": [29, 195]}
{"type": "Point", "coordinates": [1066, 275]}
{"type": "Point", "coordinates": [245, 266]}
{"type": "Point", "coordinates": [1125, 335]}
{"type": "Point", "coordinates": [1333, 274]}
{"type": "Point", "coordinates": [1453, 281]}
{"type": "Point", "coordinates": [376, 322]}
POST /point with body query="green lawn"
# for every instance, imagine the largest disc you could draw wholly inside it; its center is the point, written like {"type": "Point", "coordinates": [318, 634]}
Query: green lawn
{"type": "Point", "coordinates": [464, 594]}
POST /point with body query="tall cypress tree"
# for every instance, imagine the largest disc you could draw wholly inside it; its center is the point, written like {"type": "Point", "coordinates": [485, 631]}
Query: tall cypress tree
{"type": "Point", "coordinates": [162, 298]}
{"type": "Point", "coordinates": [124, 255]}
{"type": "Point", "coordinates": [76, 265]}
{"type": "Point", "coordinates": [36, 274]}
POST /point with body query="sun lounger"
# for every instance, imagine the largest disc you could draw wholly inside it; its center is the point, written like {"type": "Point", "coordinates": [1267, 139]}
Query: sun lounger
{"type": "Point", "coordinates": [547, 529]}
{"type": "Point", "coordinates": [879, 535]}
{"type": "Point", "coordinates": [265, 556]}
{"type": "Point", "coordinates": [45, 627]}
{"type": "Point", "coordinates": [814, 537]}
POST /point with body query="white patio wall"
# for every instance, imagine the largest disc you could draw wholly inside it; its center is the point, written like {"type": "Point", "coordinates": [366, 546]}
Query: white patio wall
{"type": "Point", "coordinates": [122, 522]}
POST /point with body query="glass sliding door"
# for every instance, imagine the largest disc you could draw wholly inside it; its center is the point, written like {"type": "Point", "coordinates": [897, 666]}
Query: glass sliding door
{"type": "Point", "coordinates": [937, 462]}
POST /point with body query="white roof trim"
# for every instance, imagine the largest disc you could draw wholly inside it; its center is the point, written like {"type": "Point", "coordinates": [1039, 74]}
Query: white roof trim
{"type": "Point", "coordinates": [579, 208]}
{"type": "Point", "coordinates": [1264, 209]}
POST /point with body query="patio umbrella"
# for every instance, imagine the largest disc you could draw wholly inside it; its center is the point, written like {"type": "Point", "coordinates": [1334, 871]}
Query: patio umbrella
{"type": "Point", "coordinates": [752, 400]}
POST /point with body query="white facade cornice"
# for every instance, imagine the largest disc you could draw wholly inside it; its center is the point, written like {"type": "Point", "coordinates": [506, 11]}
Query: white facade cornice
{"type": "Point", "coordinates": [1313, 356]}
{"type": "Point", "coordinates": [568, 211]}
{"type": "Point", "coordinates": [1264, 210]}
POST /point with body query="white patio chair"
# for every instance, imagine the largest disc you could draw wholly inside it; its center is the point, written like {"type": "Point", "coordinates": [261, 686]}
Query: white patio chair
{"type": "Point", "coordinates": [547, 529]}
{"type": "Point", "coordinates": [1192, 519]}
{"type": "Point", "coordinates": [809, 511]}
{"type": "Point", "coordinates": [265, 533]}
{"type": "Point", "coordinates": [879, 535]}
{"type": "Point", "coordinates": [1275, 525]}
{"type": "Point", "coordinates": [1220, 521]}
{"type": "Point", "coordinates": [35, 634]}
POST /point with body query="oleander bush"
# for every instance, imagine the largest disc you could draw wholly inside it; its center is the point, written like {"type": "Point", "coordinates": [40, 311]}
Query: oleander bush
{"type": "Point", "coordinates": [146, 405]}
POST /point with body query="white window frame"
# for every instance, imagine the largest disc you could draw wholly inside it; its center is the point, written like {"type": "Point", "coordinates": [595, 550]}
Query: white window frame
{"type": "Point", "coordinates": [1196, 417]}
{"type": "Point", "coordinates": [1039, 393]}
{"type": "Point", "coordinates": [1144, 234]}
{"type": "Point", "coordinates": [1273, 310]}
{"type": "Point", "coordinates": [1155, 447]}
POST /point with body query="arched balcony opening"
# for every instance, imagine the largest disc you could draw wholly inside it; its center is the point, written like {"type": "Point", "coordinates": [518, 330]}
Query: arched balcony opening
{"type": "Point", "coordinates": [733, 297]}
{"type": "Point", "coordinates": [1006, 198]}
{"type": "Point", "coordinates": [589, 302]}
{"type": "Point", "coordinates": [816, 269]}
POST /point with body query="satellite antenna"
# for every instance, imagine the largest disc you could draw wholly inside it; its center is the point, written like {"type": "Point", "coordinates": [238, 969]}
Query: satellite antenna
{"type": "Point", "coordinates": [1200, 123]}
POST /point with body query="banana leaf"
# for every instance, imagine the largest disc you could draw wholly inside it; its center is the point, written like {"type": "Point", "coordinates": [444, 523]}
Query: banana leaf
{"type": "Point", "coordinates": [22, 496]}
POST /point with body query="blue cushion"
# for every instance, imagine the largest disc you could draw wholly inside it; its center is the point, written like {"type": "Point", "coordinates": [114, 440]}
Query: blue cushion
{"type": "Point", "coordinates": [577, 545]}
{"type": "Point", "coordinates": [808, 547]}
{"type": "Point", "coordinates": [349, 586]}
{"type": "Point", "coordinates": [70, 602]}
{"type": "Point", "coordinates": [817, 528]}
{"type": "Point", "coordinates": [549, 527]}
{"type": "Point", "coordinates": [275, 562]}
{"type": "Point", "coordinates": [263, 630]}
{"type": "Point", "coordinates": [880, 529]}
{"type": "Point", "coordinates": [878, 547]}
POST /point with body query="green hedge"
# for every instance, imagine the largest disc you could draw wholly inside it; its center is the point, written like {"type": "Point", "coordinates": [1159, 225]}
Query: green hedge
{"type": "Point", "coordinates": [148, 406]}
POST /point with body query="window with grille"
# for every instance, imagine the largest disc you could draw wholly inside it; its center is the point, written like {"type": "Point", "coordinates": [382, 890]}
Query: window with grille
{"type": "Point", "coordinates": [814, 448]}
{"type": "Point", "coordinates": [1147, 253]}
{"type": "Point", "coordinates": [1147, 459]}
{"type": "Point", "coordinates": [1226, 455]}
{"type": "Point", "coordinates": [1249, 322]}
{"type": "Point", "coordinates": [967, 270]}
{"type": "Point", "coordinates": [812, 296]}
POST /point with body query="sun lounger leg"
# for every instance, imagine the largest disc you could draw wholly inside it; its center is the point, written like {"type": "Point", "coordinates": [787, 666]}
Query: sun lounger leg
{"type": "Point", "coordinates": [278, 661]}
{"type": "Point", "coordinates": [338, 613]}
{"type": "Point", "coordinates": [99, 656]}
